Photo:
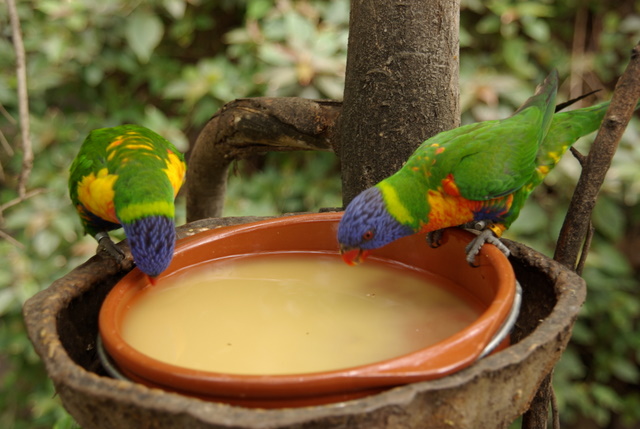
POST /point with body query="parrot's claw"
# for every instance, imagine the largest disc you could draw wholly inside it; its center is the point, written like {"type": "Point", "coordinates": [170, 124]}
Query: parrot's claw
{"type": "Point", "coordinates": [105, 243]}
{"type": "Point", "coordinates": [434, 238]}
{"type": "Point", "coordinates": [485, 236]}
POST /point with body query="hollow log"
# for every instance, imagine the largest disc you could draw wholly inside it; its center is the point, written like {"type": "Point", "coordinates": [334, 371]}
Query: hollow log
{"type": "Point", "coordinates": [250, 126]}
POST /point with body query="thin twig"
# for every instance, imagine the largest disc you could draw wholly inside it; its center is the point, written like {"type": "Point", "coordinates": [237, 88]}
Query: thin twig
{"type": "Point", "coordinates": [11, 240]}
{"type": "Point", "coordinates": [23, 99]}
{"type": "Point", "coordinates": [585, 249]}
{"type": "Point", "coordinates": [7, 115]}
{"type": "Point", "coordinates": [555, 414]}
{"type": "Point", "coordinates": [579, 156]}
{"type": "Point", "coordinates": [9, 204]}
{"type": "Point", "coordinates": [5, 144]}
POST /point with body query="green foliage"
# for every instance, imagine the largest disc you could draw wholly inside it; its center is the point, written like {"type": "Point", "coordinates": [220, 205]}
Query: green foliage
{"type": "Point", "coordinates": [170, 64]}
{"type": "Point", "coordinates": [161, 64]}
{"type": "Point", "coordinates": [279, 187]}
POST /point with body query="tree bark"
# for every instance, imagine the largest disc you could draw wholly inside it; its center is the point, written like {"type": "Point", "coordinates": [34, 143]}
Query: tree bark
{"type": "Point", "coordinates": [401, 85]}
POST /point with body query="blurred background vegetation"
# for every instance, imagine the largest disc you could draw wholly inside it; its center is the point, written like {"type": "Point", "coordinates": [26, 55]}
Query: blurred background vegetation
{"type": "Point", "coordinates": [170, 64]}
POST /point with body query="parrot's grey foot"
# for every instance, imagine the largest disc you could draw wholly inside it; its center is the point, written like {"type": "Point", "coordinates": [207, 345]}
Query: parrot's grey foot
{"type": "Point", "coordinates": [434, 238]}
{"type": "Point", "coordinates": [105, 243]}
{"type": "Point", "coordinates": [487, 235]}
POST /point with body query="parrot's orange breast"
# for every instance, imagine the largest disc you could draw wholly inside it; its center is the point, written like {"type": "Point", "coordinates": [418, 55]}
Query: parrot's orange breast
{"type": "Point", "coordinates": [449, 208]}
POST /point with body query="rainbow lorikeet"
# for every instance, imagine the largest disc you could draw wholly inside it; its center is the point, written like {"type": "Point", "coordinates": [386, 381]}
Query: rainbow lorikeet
{"type": "Point", "coordinates": [478, 175]}
{"type": "Point", "coordinates": [129, 176]}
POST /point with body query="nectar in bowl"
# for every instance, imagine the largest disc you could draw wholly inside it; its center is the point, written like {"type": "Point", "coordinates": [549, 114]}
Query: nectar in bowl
{"type": "Point", "coordinates": [293, 313]}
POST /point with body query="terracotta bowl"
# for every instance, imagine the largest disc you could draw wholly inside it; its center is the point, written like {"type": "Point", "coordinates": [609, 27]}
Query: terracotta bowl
{"type": "Point", "coordinates": [492, 283]}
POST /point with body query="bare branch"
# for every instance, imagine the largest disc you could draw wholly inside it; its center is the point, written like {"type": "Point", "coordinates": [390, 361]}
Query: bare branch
{"type": "Point", "coordinates": [10, 239]}
{"type": "Point", "coordinates": [5, 144]}
{"type": "Point", "coordinates": [538, 414]}
{"type": "Point", "coordinates": [249, 126]}
{"type": "Point", "coordinates": [623, 103]}
{"type": "Point", "coordinates": [23, 99]}
{"type": "Point", "coordinates": [555, 413]}
{"type": "Point", "coordinates": [7, 115]}
{"type": "Point", "coordinates": [578, 155]}
{"type": "Point", "coordinates": [18, 200]}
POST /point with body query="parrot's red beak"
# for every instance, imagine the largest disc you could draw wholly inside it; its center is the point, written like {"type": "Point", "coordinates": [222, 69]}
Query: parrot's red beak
{"type": "Point", "coordinates": [152, 280]}
{"type": "Point", "coordinates": [353, 256]}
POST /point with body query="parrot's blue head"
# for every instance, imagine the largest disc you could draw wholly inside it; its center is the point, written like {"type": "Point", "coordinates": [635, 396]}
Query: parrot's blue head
{"type": "Point", "coordinates": [366, 225]}
{"type": "Point", "coordinates": [151, 240]}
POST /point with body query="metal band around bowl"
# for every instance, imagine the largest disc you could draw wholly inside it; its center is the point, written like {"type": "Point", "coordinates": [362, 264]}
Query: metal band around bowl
{"type": "Point", "coordinates": [507, 325]}
{"type": "Point", "coordinates": [106, 362]}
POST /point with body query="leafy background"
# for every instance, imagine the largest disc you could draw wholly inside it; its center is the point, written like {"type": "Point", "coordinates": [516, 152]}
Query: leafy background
{"type": "Point", "coordinates": [170, 64]}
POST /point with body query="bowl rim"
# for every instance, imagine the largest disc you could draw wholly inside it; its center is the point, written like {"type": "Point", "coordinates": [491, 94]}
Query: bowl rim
{"type": "Point", "coordinates": [394, 371]}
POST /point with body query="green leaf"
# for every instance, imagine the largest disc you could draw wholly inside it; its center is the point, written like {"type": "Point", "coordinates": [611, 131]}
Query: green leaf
{"type": "Point", "coordinates": [330, 86]}
{"type": "Point", "coordinates": [257, 9]}
{"type": "Point", "coordinates": [610, 260]}
{"type": "Point", "coordinates": [571, 365]}
{"type": "Point", "coordinates": [300, 31]}
{"type": "Point", "coordinates": [537, 29]}
{"type": "Point", "coordinates": [582, 334]}
{"type": "Point", "coordinates": [532, 219]}
{"type": "Point", "coordinates": [516, 55]}
{"type": "Point", "coordinates": [143, 32]}
{"type": "Point", "coordinates": [274, 55]}
{"type": "Point", "coordinates": [93, 74]}
{"type": "Point", "coordinates": [7, 298]}
{"type": "Point", "coordinates": [608, 219]}
{"type": "Point", "coordinates": [45, 242]}
{"type": "Point", "coordinates": [337, 12]}
{"type": "Point", "coordinates": [625, 370]}
{"type": "Point", "coordinates": [606, 396]}
{"type": "Point", "coordinates": [489, 24]}
{"type": "Point", "coordinates": [536, 9]}
{"type": "Point", "coordinates": [175, 7]}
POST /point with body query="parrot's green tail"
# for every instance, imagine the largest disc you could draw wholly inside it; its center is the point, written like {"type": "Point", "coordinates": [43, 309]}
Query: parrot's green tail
{"type": "Point", "coordinates": [566, 128]}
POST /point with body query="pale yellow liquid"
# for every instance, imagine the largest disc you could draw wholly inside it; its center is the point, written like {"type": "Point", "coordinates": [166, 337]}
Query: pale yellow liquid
{"type": "Point", "coordinates": [288, 313]}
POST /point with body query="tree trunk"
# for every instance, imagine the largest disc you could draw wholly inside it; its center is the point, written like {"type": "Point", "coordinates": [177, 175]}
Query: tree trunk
{"type": "Point", "coordinates": [401, 85]}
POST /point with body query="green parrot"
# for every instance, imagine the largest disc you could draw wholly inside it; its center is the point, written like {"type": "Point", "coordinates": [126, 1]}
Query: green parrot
{"type": "Point", "coordinates": [477, 176]}
{"type": "Point", "coordinates": [129, 176]}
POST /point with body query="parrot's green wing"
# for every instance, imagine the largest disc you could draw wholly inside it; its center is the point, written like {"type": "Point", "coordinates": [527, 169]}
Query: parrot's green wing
{"type": "Point", "coordinates": [91, 158]}
{"type": "Point", "coordinates": [500, 157]}
{"type": "Point", "coordinates": [90, 162]}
